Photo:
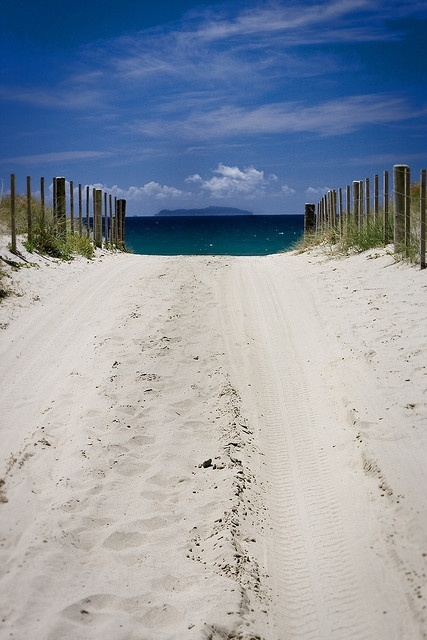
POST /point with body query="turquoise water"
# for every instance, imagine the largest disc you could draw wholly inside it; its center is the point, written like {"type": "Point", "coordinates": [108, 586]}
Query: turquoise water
{"type": "Point", "coordinates": [216, 235]}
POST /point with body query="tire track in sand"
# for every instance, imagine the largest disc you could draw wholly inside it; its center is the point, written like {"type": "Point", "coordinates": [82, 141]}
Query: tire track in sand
{"type": "Point", "coordinates": [308, 551]}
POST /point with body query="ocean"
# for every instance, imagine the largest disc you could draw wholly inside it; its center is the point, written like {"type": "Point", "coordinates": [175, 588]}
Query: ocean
{"type": "Point", "coordinates": [253, 235]}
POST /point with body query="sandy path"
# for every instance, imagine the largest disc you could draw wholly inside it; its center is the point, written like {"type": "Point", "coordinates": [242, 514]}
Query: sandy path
{"type": "Point", "coordinates": [209, 448]}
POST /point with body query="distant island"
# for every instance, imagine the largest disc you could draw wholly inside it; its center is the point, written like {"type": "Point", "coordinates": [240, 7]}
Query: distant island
{"type": "Point", "coordinates": [207, 211]}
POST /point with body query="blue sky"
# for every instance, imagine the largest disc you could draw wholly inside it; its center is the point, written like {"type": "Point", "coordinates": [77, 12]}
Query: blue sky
{"type": "Point", "coordinates": [172, 104]}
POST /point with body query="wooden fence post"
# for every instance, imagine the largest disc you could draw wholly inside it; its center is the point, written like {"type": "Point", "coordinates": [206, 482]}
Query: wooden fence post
{"type": "Point", "coordinates": [334, 208]}
{"type": "Point", "coordinates": [42, 221]}
{"type": "Point", "coordinates": [60, 207]}
{"type": "Point", "coordinates": [356, 202]}
{"type": "Point", "coordinates": [330, 209]}
{"type": "Point", "coordinates": [309, 218]}
{"type": "Point", "coordinates": [367, 198]}
{"type": "Point", "coordinates": [407, 210]}
{"type": "Point", "coordinates": [399, 198]}
{"type": "Point", "coordinates": [87, 213]}
{"type": "Point", "coordinates": [385, 216]}
{"type": "Point", "coordinates": [105, 218]}
{"type": "Point", "coordinates": [348, 202]}
{"type": "Point", "coordinates": [55, 216]}
{"type": "Point", "coordinates": [80, 211]}
{"type": "Point", "coordinates": [116, 232]}
{"type": "Point", "coordinates": [120, 216]}
{"type": "Point", "coordinates": [423, 219]}
{"type": "Point", "coordinates": [117, 229]}
{"type": "Point", "coordinates": [326, 217]}
{"type": "Point", "coordinates": [110, 198]}
{"type": "Point", "coordinates": [72, 206]}
{"type": "Point", "coordinates": [29, 211]}
{"type": "Point", "coordinates": [13, 212]}
{"type": "Point", "coordinates": [376, 200]}
{"type": "Point", "coordinates": [97, 211]}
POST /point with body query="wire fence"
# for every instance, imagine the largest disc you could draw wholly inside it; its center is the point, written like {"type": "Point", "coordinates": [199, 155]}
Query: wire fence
{"type": "Point", "coordinates": [396, 215]}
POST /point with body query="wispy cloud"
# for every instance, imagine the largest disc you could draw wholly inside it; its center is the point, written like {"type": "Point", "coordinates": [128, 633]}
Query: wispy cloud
{"type": "Point", "coordinates": [333, 117]}
{"type": "Point", "coordinates": [215, 58]}
{"type": "Point", "coordinates": [229, 48]}
{"type": "Point", "coordinates": [60, 97]}
{"type": "Point", "coordinates": [56, 157]}
{"type": "Point", "coordinates": [266, 21]}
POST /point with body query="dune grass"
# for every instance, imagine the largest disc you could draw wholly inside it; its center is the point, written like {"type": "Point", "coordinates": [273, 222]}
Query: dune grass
{"type": "Point", "coordinates": [352, 237]}
{"type": "Point", "coordinates": [45, 237]}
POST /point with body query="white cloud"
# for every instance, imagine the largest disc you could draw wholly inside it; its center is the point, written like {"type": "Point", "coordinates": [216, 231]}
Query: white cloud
{"type": "Point", "coordinates": [287, 190]}
{"type": "Point", "coordinates": [232, 181]}
{"type": "Point", "coordinates": [317, 191]}
{"type": "Point", "coordinates": [227, 181]}
{"type": "Point", "coordinates": [194, 178]}
{"type": "Point", "coordinates": [150, 191]}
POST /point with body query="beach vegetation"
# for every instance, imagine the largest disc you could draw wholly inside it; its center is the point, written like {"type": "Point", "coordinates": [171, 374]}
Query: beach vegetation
{"type": "Point", "coordinates": [351, 236]}
{"type": "Point", "coordinates": [45, 236]}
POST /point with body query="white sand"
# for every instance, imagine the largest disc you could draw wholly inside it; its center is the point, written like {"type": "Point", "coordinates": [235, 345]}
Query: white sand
{"type": "Point", "coordinates": [300, 382]}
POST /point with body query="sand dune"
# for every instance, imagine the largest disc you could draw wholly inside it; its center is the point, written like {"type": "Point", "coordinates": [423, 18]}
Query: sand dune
{"type": "Point", "coordinates": [214, 447]}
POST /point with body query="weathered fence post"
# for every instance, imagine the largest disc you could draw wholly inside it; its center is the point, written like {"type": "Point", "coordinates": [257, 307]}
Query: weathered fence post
{"type": "Point", "coordinates": [60, 207]}
{"type": "Point", "coordinates": [105, 218]}
{"type": "Point", "coordinates": [110, 198]}
{"type": "Point", "coordinates": [87, 213]}
{"type": "Point", "coordinates": [361, 205]}
{"type": "Point", "coordinates": [367, 198]}
{"type": "Point", "coordinates": [42, 221]}
{"type": "Point", "coordinates": [348, 202]}
{"type": "Point", "coordinates": [324, 213]}
{"type": "Point", "coordinates": [13, 212]}
{"type": "Point", "coordinates": [309, 218]}
{"type": "Point", "coordinates": [120, 216]}
{"type": "Point", "coordinates": [29, 211]}
{"type": "Point", "coordinates": [385, 217]}
{"type": "Point", "coordinates": [116, 231]}
{"type": "Point", "coordinates": [376, 193]}
{"type": "Point", "coordinates": [97, 223]}
{"type": "Point", "coordinates": [80, 211]}
{"type": "Point", "coordinates": [54, 201]}
{"type": "Point", "coordinates": [72, 206]}
{"type": "Point", "coordinates": [407, 210]}
{"type": "Point", "coordinates": [334, 208]}
{"type": "Point", "coordinates": [399, 197]}
{"type": "Point", "coordinates": [423, 219]}
{"type": "Point", "coordinates": [340, 210]}
{"type": "Point", "coordinates": [356, 202]}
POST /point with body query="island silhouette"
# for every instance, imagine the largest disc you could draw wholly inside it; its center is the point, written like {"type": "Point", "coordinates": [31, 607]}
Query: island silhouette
{"type": "Point", "coordinates": [207, 211]}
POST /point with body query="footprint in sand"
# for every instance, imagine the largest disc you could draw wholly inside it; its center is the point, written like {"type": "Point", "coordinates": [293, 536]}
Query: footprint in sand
{"type": "Point", "coordinates": [123, 540]}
